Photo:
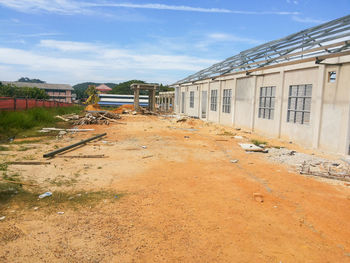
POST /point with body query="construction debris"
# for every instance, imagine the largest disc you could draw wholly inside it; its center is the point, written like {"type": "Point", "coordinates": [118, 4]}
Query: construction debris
{"type": "Point", "coordinates": [53, 153]}
{"type": "Point", "coordinates": [182, 119]}
{"type": "Point", "coordinates": [47, 194]}
{"type": "Point", "coordinates": [148, 156]}
{"type": "Point", "coordinates": [325, 170]}
{"type": "Point", "coordinates": [82, 156]}
{"type": "Point", "coordinates": [68, 117]}
{"type": "Point", "coordinates": [308, 164]}
{"type": "Point", "coordinates": [98, 118]}
{"type": "Point", "coordinates": [234, 161]}
{"type": "Point", "coordinates": [249, 147]}
{"type": "Point", "coordinates": [66, 130]}
{"type": "Point", "coordinates": [147, 112]}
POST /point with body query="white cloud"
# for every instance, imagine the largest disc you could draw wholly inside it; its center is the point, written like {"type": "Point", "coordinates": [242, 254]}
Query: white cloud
{"type": "Point", "coordinates": [232, 38]}
{"type": "Point", "coordinates": [52, 6]}
{"type": "Point", "coordinates": [69, 7]}
{"type": "Point", "coordinates": [308, 20]}
{"type": "Point", "coordinates": [65, 62]}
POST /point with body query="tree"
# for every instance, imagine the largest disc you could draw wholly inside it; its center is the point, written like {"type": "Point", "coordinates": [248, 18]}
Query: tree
{"type": "Point", "coordinates": [10, 90]}
{"type": "Point", "coordinates": [26, 79]}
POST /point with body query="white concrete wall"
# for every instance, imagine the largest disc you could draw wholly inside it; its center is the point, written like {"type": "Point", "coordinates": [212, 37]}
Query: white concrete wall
{"type": "Point", "coordinates": [269, 127]}
{"type": "Point", "coordinates": [214, 115]}
{"type": "Point", "coordinates": [334, 129]}
{"type": "Point", "coordinates": [300, 133]}
{"type": "Point", "coordinates": [244, 102]}
{"type": "Point", "coordinates": [193, 112]}
{"type": "Point", "coordinates": [329, 126]}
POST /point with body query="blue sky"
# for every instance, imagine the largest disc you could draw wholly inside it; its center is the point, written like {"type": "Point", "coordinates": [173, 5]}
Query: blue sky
{"type": "Point", "coordinates": [71, 41]}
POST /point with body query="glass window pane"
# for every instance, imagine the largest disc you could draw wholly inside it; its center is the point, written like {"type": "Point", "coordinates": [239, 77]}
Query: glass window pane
{"type": "Point", "coordinates": [306, 117]}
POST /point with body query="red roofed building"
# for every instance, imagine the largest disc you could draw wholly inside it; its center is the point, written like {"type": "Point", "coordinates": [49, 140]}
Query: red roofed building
{"type": "Point", "coordinates": [103, 88]}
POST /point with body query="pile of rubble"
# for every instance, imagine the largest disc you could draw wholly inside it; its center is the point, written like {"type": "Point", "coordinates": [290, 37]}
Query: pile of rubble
{"type": "Point", "coordinates": [312, 165]}
{"type": "Point", "coordinates": [98, 118]}
{"type": "Point", "coordinates": [93, 117]}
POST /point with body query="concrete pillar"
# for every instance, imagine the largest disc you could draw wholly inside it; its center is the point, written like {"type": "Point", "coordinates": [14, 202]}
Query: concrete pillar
{"type": "Point", "coordinates": [317, 114]}
{"type": "Point", "coordinates": [152, 97]}
{"type": "Point", "coordinates": [137, 98]}
{"type": "Point", "coordinates": [253, 104]}
{"type": "Point", "coordinates": [279, 115]}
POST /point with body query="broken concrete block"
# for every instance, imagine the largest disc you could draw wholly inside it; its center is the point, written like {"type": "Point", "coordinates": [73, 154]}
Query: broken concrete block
{"type": "Point", "coordinates": [249, 147]}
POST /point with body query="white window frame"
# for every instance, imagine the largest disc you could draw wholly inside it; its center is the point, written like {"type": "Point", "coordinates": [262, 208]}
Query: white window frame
{"type": "Point", "coordinates": [267, 100]}
{"type": "Point", "coordinates": [191, 99]}
{"type": "Point", "coordinates": [299, 104]}
{"type": "Point", "coordinates": [213, 99]}
{"type": "Point", "coordinates": [226, 101]}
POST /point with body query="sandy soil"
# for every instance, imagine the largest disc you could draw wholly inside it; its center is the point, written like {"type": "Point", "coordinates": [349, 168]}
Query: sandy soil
{"type": "Point", "coordinates": [184, 201]}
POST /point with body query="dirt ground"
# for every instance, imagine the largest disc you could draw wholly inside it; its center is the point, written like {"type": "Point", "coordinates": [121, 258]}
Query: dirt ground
{"type": "Point", "coordinates": [179, 199]}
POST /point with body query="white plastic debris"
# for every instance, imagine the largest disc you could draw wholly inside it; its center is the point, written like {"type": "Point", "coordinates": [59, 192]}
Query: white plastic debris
{"type": "Point", "coordinates": [47, 194]}
{"type": "Point", "coordinates": [60, 213]}
{"type": "Point", "coordinates": [144, 147]}
{"type": "Point", "coordinates": [234, 161]}
{"type": "Point", "coordinates": [2, 218]}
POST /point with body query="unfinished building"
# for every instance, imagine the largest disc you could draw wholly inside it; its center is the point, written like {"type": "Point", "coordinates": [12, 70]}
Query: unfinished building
{"type": "Point", "coordinates": [295, 88]}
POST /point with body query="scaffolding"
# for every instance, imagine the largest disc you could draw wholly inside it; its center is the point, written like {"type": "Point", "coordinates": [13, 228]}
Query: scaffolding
{"type": "Point", "coordinates": [327, 39]}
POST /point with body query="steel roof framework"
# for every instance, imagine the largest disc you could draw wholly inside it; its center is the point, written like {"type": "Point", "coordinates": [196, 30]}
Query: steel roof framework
{"type": "Point", "coordinates": [329, 38]}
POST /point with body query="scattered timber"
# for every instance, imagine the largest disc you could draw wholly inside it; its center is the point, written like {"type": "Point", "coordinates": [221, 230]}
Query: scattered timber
{"type": "Point", "coordinates": [98, 118]}
{"type": "Point", "coordinates": [82, 156]}
{"type": "Point", "coordinates": [29, 163]}
{"type": "Point", "coordinates": [67, 130]}
{"type": "Point", "coordinates": [148, 156]}
{"type": "Point", "coordinates": [53, 153]}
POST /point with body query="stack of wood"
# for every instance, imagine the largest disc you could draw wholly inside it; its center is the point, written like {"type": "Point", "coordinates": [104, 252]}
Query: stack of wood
{"type": "Point", "coordinates": [145, 111]}
{"type": "Point", "coordinates": [98, 118]}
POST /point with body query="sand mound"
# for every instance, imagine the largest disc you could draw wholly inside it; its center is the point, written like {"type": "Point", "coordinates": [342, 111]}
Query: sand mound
{"type": "Point", "coordinates": [122, 108]}
{"type": "Point", "coordinates": [92, 108]}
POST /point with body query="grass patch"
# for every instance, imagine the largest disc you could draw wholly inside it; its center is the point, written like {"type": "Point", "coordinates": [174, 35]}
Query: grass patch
{"type": "Point", "coordinates": [258, 142]}
{"type": "Point", "coordinates": [4, 148]}
{"type": "Point", "coordinates": [61, 181]}
{"type": "Point", "coordinates": [227, 133]}
{"type": "Point", "coordinates": [27, 141]}
{"type": "Point", "coordinates": [3, 166]}
{"type": "Point", "coordinates": [15, 123]}
{"type": "Point", "coordinates": [14, 194]}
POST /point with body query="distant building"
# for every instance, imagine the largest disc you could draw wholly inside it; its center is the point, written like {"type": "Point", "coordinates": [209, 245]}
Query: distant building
{"type": "Point", "coordinates": [103, 88]}
{"type": "Point", "coordinates": [56, 92]}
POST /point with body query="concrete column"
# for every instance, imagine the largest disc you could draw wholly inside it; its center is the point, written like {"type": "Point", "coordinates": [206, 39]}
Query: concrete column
{"type": "Point", "coordinates": [153, 97]}
{"type": "Point", "coordinates": [317, 114]}
{"type": "Point", "coordinates": [234, 102]}
{"type": "Point", "coordinates": [253, 104]}
{"type": "Point", "coordinates": [137, 98]}
{"type": "Point", "coordinates": [279, 114]}
{"type": "Point", "coordinates": [220, 102]}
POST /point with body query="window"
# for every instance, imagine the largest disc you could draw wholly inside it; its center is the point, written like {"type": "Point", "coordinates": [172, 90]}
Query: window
{"type": "Point", "coordinates": [191, 99]}
{"type": "Point", "coordinates": [332, 76]}
{"type": "Point", "coordinates": [299, 104]}
{"type": "Point", "coordinates": [226, 101]}
{"type": "Point", "coordinates": [267, 102]}
{"type": "Point", "coordinates": [213, 99]}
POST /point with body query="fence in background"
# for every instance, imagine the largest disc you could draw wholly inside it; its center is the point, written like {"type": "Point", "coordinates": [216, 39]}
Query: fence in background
{"type": "Point", "coordinates": [7, 103]}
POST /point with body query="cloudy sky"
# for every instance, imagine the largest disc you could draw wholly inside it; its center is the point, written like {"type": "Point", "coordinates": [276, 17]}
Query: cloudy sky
{"type": "Point", "coordinates": [71, 41]}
